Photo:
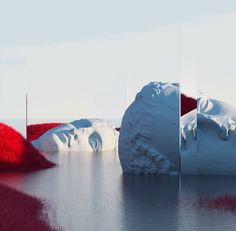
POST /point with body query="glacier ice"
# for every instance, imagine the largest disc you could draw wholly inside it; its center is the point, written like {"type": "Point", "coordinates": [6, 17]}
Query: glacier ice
{"type": "Point", "coordinates": [149, 135]}
{"type": "Point", "coordinates": [210, 148]}
{"type": "Point", "coordinates": [80, 135]}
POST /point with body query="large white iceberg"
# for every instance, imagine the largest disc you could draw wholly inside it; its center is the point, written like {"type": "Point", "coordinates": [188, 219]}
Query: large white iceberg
{"type": "Point", "coordinates": [149, 135]}
{"type": "Point", "coordinates": [208, 139]}
{"type": "Point", "coordinates": [80, 135]}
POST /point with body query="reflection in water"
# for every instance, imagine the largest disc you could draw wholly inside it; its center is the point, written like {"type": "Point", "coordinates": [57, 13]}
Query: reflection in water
{"type": "Point", "coordinates": [206, 187]}
{"type": "Point", "coordinates": [83, 190]}
{"type": "Point", "coordinates": [149, 202]}
{"type": "Point", "coordinates": [87, 191]}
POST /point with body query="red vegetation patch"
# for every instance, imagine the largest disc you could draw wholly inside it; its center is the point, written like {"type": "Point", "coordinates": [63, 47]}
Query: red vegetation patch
{"type": "Point", "coordinates": [187, 104]}
{"type": "Point", "coordinates": [226, 203]}
{"type": "Point", "coordinates": [36, 130]}
{"type": "Point", "coordinates": [20, 212]}
{"type": "Point", "coordinates": [18, 154]}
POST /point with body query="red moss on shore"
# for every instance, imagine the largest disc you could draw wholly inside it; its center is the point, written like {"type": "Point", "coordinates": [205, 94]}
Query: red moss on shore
{"type": "Point", "coordinates": [34, 131]}
{"type": "Point", "coordinates": [18, 154]}
{"type": "Point", "coordinates": [187, 104]}
{"type": "Point", "coordinates": [21, 212]}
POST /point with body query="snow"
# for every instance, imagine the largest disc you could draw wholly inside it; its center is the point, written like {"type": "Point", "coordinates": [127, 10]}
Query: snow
{"type": "Point", "coordinates": [79, 135]}
{"type": "Point", "coordinates": [208, 139]}
{"type": "Point", "coordinates": [149, 135]}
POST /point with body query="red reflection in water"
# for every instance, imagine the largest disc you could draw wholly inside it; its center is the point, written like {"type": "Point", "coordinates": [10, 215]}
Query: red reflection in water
{"type": "Point", "coordinates": [20, 212]}
{"type": "Point", "coordinates": [17, 154]}
{"type": "Point", "coordinates": [226, 203]}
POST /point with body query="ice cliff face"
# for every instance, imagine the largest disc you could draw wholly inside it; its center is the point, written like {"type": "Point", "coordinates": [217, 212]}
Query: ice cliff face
{"type": "Point", "coordinates": [208, 139]}
{"type": "Point", "coordinates": [80, 135]}
{"type": "Point", "coordinates": [149, 135]}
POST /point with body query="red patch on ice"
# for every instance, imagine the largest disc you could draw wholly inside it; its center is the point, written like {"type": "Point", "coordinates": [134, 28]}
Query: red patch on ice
{"type": "Point", "coordinates": [34, 131]}
{"type": "Point", "coordinates": [226, 203]}
{"type": "Point", "coordinates": [21, 212]}
{"type": "Point", "coordinates": [187, 104]}
{"type": "Point", "coordinates": [18, 154]}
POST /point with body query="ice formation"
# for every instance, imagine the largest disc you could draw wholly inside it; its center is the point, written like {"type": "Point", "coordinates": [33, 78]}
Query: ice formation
{"type": "Point", "coordinates": [80, 135]}
{"type": "Point", "coordinates": [208, 139]}
{"type": "Point", "coordinates": [149, 135]}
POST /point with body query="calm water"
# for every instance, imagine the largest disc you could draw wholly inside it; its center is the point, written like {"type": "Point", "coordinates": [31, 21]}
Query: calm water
{"type": "Point", "coordinates": [87, 191]}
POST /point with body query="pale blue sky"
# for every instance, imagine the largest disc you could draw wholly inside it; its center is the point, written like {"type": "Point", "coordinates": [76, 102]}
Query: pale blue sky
{"type": "Point", "coordinates": [48, 21]}
{"type": "Point", "coordinates": [89, 58]}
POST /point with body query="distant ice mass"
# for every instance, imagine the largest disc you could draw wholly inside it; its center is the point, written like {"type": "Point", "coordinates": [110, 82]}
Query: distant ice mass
{"type": "Point", "coordinates": [208, 139]}
{"type": "Point", "coordinates": [80, 135]}
{"type": "Point", "coordinates": [149, 135]}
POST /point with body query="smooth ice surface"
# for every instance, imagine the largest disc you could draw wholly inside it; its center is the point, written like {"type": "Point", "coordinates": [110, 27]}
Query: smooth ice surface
{"type": "Point", "coordinates": [88, 191]}
{"type": "Point", "coordinates": [149, 135]}
{"type": "Point", "coordinates": [80, 135]}
{"type": "Point", "coordinates": [208, 143]}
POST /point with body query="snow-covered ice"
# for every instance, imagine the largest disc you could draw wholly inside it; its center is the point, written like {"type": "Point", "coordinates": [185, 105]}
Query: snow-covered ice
{"type": "Point", "coordinates": [149, 135]}
{"type": "Point", "coordinates": [80, 135]}
{"type": "Point", "coordinates": [208, 139]}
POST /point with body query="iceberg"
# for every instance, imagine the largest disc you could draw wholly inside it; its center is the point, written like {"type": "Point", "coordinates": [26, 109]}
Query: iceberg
{"type": "Point", "coordinates": [80, 135]}
{"type": "Point", "coordinates": [149, 134]}
{"type": "Point", "coordinates": [208, 139]}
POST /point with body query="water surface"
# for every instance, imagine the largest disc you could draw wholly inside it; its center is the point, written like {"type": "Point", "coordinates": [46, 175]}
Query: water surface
{"type": "Point", "coordinates": [88, 191]}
